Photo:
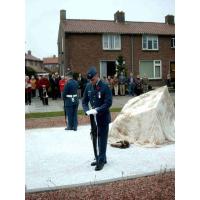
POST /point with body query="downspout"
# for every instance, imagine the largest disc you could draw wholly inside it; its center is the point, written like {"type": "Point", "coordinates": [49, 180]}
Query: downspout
{"type": "Point", "coordinates": [62, 47]}
{"type": "Point", "coordinates": [132, 53]}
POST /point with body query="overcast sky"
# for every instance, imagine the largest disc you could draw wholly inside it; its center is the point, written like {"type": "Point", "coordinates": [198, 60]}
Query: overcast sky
{"type": "Point", "coordinates": [42, 17]}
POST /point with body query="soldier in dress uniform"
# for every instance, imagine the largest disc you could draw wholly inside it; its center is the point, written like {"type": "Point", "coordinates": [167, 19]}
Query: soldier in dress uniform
{"type": "Point", "coordinates": [71, 102]}
{"type": "Point", "coordinates": [99, 95]}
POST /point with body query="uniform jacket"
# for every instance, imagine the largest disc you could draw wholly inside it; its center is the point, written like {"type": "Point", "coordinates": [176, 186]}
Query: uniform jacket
{"type": "Point", "coordinates": [70, 89]}
{"type": "Point", "coordinates": [100, 98]}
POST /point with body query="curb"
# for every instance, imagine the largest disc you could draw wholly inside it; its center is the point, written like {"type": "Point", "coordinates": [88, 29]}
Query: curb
{"type": "Point", "coordinates": [48, 189]}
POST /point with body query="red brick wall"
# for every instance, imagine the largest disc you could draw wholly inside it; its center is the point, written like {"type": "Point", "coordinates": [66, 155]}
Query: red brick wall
{"type": "Point", "coordinates": [84, 50]}
{"type": "Point", "coordinates": [165, 53]}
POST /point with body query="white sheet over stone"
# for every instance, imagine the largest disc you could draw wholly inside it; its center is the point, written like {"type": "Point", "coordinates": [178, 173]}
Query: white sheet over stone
{"type": "Point", "coordinates": [146, 120]}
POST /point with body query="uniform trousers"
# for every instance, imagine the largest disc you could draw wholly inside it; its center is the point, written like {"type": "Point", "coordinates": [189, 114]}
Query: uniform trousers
{"type": "Point", "coordinates": [102, 142]}
{"type": "Point", "coordinates": [72, 121]}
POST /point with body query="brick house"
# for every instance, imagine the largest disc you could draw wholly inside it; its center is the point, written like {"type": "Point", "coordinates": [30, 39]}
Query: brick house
{"type": "Point", "coordinates": [147, 47]}
{"type": "Point", "coordinates": [34, 63]}
{"type": "Point", "coordinates": [51, 63]}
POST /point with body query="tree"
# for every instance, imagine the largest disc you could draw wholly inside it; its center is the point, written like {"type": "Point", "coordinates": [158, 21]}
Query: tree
{"type": "Point", "coordinates": [29, 71]}
{"type": "Point", "coordinates": [120, 65]}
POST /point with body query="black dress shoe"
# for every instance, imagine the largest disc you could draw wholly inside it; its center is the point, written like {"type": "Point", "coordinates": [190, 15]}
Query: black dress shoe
{"type": "Point", "coordinates": [95, 163]}
{"type": "Point", "coordinates": [68, 129]}
{"type": "Point", "coordinates": [99, 167]}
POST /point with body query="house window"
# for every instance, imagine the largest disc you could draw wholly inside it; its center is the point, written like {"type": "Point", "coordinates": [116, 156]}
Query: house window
{"type": "Point", "coordinates": [172, 42]}
{"type": "Point", "coordinates": [111, 42]}
{"type": "Point", "coordinates": [151, 68]}
{"type": "Point", "coordinates": [149, 42]}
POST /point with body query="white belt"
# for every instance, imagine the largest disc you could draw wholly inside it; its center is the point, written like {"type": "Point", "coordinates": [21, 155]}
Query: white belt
{"type": "Point", "coordinates": [72, 96]}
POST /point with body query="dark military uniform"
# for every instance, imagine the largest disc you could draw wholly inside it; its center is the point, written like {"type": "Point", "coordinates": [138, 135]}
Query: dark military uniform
{"type": "Point", "coordinates": [100, 98]}
{"type": "Point", "coordinates": [71, 102]}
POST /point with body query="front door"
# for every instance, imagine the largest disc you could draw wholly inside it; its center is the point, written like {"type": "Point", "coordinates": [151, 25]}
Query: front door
{"type": "Point", "coordinates": [107, 68]}
{"type": "Point", "coordinates": [111, 68]}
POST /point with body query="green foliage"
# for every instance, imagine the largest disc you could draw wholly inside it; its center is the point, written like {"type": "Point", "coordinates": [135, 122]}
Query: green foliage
{"type": "Point", "coordinates": [120, 66]}
{"type": "Point", "coordinates": [29, 71]}
{"type": "Point", "coordinates": [58, 113]}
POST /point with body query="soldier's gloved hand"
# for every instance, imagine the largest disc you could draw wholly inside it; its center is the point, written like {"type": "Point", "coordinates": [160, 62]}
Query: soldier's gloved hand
{"type": "Point", "coordinates": [91, 112]}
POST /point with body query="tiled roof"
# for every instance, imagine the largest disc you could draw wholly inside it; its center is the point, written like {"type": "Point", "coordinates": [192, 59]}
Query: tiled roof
{"type": "Point", "coordinates": [30, 57]}
{"type": "Point", "coordinates": [102, 26]}
{"type": "Point", "coordinates": [50, 60]}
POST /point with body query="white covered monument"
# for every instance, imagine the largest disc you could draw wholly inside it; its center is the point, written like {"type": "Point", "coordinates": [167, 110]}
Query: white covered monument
{"type": "Point", "coordinates": [147, 120]}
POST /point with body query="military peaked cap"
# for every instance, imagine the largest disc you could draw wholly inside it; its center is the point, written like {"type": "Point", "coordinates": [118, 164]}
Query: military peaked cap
{"type": "Point", "coordinates": [91, 72]}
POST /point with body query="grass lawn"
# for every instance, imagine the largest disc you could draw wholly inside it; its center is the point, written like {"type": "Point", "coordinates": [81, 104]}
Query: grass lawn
{"type": "Point", "coordinates": [58, 113]}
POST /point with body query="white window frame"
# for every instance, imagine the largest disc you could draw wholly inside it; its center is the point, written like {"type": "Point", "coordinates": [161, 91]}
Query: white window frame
{"type": "Point", "coordinates": [109, 38]}
{"type": "Point", "coordinates": [173, 42]}
{"type": "Point", "coordinates": [154, 68]}
{"type": "Point", "coordinates": [155, 65]}
{"type": "Point", "coordinates": [151, 38]}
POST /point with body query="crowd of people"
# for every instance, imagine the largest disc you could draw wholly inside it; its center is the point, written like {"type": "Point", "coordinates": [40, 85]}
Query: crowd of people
{"type": "Point", "coordinates": [122, 85]}
{"type": "Point", "coordinates": [52, 86]}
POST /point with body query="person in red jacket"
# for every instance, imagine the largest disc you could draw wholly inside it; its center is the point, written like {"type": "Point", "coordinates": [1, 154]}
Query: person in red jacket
{"type": "Point", "coordinates": [27, 91]}
{"type": "Point", "coordinates": [62, 83]}
{"type": "Point", "coordinates": [43, 81]}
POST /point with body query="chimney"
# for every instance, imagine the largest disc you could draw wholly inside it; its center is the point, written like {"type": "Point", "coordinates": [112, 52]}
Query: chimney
{"type": "Point", "coordinates": [62, 15]}
{"type": "Point", "coordinates": [119, 17]}
{"type": "Point", "coordinates": [169, 19]}
{"type": "Point", "coordinates": [29, 52]}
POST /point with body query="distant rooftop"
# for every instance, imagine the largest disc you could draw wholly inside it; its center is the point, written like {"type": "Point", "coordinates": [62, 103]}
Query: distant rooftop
{"type": "Point", "coordinates": [50, 60]}
{"type": "Point", "coordinates": [29, 56]}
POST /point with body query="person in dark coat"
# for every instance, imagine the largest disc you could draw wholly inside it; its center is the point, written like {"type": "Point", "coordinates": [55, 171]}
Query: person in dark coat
{"type": "Point", "coordinates": [80, 85]}
{"type": "Point", "coordinates": [138, 85]}
{"type": "Point", "coordinates": [99, 95]}
{"type": "Point", "coordinates": [71, 102]}
{"type": "Point", "coordinates": [122, 84]}
{"type": "Point", "coordinates": [54, 86]}
{"type": "Point", "coordinates": [131, 85]}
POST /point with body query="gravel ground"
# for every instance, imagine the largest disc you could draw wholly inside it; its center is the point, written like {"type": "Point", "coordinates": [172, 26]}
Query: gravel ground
{"type": "Point", "coordinates": [156, 187]}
